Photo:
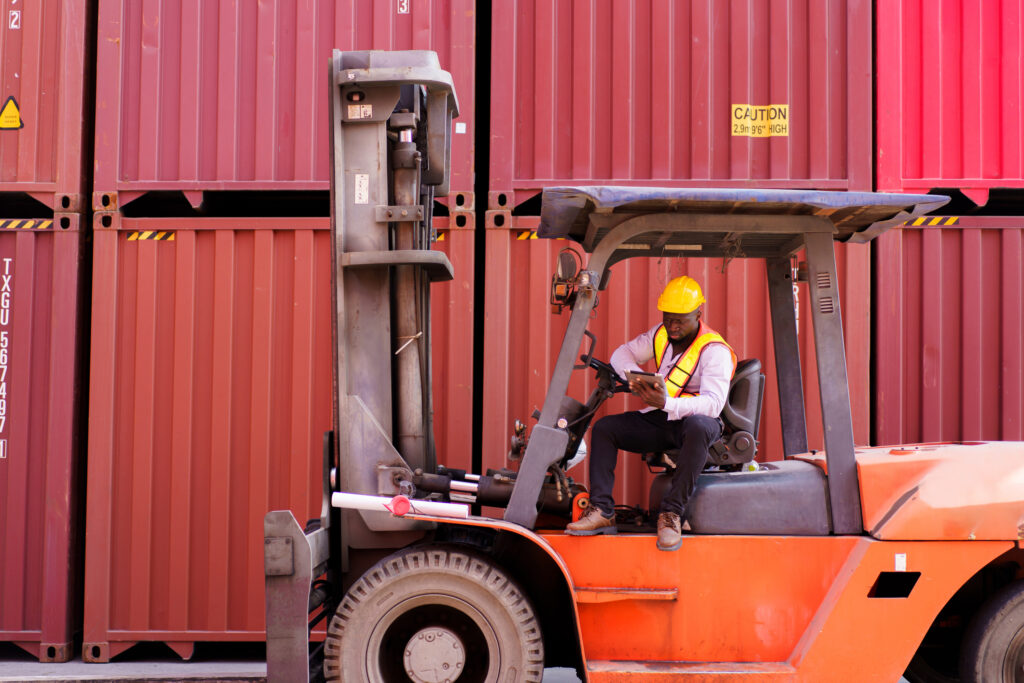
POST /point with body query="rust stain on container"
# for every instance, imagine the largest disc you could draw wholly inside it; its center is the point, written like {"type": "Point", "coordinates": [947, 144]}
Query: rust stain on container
{"type": "Point", "coordinates": [668, 93]}
{"type": "Point", "coordinates": [41, 341]}
{"type": "Point", "coordinates": [949, 95]}
{"type": "Point", "coordinates": [949, 356]}
{"type": "Point", "coordinates": [210, 392]}
{"type": "Point", "coordinates": [523, 337]}
{"type": "Point", "coordinates": [43, 58]}
{"type": "Point", "coordinates": [232, 96]}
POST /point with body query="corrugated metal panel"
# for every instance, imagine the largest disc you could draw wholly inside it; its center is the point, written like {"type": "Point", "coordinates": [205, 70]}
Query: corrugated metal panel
{"type": "Point", "coordinates": [452, 345]}
{"type": "Point", "coordinates": [634, 92]}
{"type": "Point", "coordinates": [522, 338]}
{"type": "Point", "coordinates": [232, 95]}
{"type": "Point", "coordinates": [210, 391]}
{"type": "Point", "coordinates": [40, 364]}
{"type": "Point", "coordinates": [949, 94]}
{"type": "Point", "coordinates": [949, 354]}
{"type": "Point", "coordinates": [43, 56]}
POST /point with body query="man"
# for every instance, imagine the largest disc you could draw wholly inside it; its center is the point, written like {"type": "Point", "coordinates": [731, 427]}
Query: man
{"type": "Point", "coordinates": [697, 365]}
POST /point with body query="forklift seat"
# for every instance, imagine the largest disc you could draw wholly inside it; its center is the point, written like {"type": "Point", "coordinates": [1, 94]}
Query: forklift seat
{"type": "Point", "coordinates": [741, 418]}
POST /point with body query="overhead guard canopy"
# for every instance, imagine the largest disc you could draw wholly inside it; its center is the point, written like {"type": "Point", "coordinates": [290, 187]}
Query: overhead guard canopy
{"type": "Point", "coordinates": [722, 222]}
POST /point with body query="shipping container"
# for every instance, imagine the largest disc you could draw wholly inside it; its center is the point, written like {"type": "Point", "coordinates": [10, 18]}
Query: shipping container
{"type": "Point", "coordinates": [42, 338]}
{"type": "Point", "coordinates": [205, 96]}
{"type": "Point", "coordinates": [522, 337]}
{"type": "Point", "coordinates": [45, 55]}
{"type": "Point", "coordinates": [949, 339]}
{"type": "Point", "coordinates": [703, 93]}
{"type": "Point", "coordinates": [452, 312]}
{"type": "Point", "coordinates": [949, 95]}
{"type": "Point", "coordinates": [210, 392]}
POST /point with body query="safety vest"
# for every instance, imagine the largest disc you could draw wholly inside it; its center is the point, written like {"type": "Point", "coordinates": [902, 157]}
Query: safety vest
{"type": "Point", "coordinates": [679, 375]}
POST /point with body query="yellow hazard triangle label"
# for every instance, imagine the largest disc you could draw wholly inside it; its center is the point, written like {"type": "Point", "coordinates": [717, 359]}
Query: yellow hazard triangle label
{"type": "Point", "coordinates": [10, 115]}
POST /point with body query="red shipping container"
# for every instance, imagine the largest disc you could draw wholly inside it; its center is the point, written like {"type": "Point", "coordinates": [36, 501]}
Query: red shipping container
{"type": "Point", "coordinates": [949, 95]}
{"type": "Point", "coordinates": [523, 336]}
{"type": "Point", "coordinates": [949, 355]}
{"type": "Point", "coordinates": [210, 391]}
{"type": "Point", "coordinates": [452, 342]}
{"type": "Point", "coordinates": [41, 342]}
{"type": "Point", "coordinates": [703, 93]}
{"type": "Point", "coordinates": [232, 95]}
{"type": "Point", "coordinates": [44, 52]}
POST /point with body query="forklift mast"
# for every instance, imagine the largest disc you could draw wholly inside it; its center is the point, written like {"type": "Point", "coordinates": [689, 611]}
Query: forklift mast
{"type": "Point", "coordinates": [391, 115]}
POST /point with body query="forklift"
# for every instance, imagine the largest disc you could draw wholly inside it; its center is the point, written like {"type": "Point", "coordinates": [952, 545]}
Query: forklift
{"type": "Point", "coordinates": [850, 563]}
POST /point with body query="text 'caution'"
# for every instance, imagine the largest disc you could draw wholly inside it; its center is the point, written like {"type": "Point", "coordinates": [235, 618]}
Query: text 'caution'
{"type": "Point", "coordinates": [760, 121]}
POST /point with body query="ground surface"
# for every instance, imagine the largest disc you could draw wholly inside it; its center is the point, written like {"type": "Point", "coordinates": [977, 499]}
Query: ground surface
{"type": "Point", "coordinates": [228, 662]}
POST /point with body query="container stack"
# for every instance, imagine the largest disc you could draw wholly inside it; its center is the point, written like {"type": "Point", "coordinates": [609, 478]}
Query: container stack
{"type": "Point", "coordinates": [211, 330]}
{"type": "Point", "coordinates": [43, 231]}
{"type": "Point", "coordinates": [668, 94]}
{"type": "Point", "coordinates": [950, 313]}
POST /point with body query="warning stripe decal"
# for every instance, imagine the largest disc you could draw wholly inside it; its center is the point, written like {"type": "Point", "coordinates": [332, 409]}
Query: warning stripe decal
{"type": "Point", "coordinates": [527, 235]}
{"type": "Point", "coordinates": [25, 224]}
{"type": "Point", "coordinates": [935, 220]}
{"type": "Point", "coordinates": [139, 236]}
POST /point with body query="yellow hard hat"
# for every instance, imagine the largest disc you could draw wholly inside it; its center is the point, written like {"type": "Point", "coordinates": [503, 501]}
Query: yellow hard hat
{"type": "Point", "coordinates": [681, 295]}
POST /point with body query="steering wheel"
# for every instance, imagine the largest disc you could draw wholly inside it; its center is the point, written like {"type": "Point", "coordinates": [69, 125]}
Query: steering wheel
{"type": "Point", "coordinates": [620, 385]}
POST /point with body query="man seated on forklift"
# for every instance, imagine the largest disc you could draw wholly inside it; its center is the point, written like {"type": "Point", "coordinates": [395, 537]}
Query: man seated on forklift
{"type": "Point", "coordinates": [697, 365]}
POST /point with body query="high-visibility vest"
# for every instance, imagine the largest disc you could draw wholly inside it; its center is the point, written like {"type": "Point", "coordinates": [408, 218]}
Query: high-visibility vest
{"type": "Point", "coordinates": [679, 375]}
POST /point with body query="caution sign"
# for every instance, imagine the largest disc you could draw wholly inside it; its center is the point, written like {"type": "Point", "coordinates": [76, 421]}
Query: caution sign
{"type": "Point", "coordinates": [760, 121]}
{"type": "Point", "coordinates": [10, 115]}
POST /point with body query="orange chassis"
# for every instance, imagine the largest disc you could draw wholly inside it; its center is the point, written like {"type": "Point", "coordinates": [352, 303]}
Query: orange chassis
{"type": "Point", "coordinates": [785, 608]}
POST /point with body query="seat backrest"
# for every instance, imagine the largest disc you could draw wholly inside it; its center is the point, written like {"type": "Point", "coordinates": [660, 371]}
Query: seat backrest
{"type": "Point", "coordinates": [742, 418]}
{"type": "Point", "coordinates": [742, 411]}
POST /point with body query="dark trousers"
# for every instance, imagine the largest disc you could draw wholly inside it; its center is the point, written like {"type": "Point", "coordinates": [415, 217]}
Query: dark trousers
{"type": "Point", "coordinates": [650, 432]}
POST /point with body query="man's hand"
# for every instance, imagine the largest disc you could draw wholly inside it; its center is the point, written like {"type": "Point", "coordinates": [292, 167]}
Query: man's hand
{"type": "Point", "coordinates": [649, 394]}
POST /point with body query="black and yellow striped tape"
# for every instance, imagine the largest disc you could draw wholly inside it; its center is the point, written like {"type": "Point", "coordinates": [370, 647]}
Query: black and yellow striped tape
{"type": "Point", "coordinates": [164, 235]}
{"type": "Point", "coordinates": [935, 220]}
{"type": "Point", "coordinates": [527, 235]}
{"type": "Point", "coordinates": [25, 223]}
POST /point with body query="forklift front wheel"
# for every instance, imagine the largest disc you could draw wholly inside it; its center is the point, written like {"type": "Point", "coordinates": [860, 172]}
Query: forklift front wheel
{"type": "Point", "coordinates": [434, 613]}
{"type": "Point", "coordinates": [993, 649]}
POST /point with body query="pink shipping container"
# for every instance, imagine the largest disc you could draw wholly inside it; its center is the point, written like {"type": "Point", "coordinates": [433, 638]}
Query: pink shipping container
{"type": "Point", "coordinates": [523, 337]}
{"type": "Point", "coordinates": [41, 342]}
{"type": "Point", "coordinates": [232, 95]}
{"type": "Point", "coordinates": [44, 55]}
{"type": "Point", "coordinates": [210, 391]}
{"type": "Point", "coordinates": [703, 93]}
{"type": "Point", "coordinates": [949, 343]}
{"type": "Point", "coordinates": [949, 95]}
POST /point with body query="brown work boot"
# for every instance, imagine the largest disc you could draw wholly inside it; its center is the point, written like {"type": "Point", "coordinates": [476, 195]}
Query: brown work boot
{"type": "Point", "coordinates": [670, 535]}
{"type": "Point", "coordinates": [592, 523]}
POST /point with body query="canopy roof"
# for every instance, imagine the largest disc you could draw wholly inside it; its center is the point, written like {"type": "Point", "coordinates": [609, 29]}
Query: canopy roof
{"type": "Point", "coordinates": [722, 222]}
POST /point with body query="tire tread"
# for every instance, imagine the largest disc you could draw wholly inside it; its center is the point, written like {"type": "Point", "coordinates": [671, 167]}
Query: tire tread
{"type": "Point", "coordinates": [462, 562]}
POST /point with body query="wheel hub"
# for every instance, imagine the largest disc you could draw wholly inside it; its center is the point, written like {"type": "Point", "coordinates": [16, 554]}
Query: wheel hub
{"type": "Point", "coordinates": [434, 655]}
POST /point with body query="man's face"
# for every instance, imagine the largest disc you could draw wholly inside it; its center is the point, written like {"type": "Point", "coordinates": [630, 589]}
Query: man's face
{"type": "Point", "coordinates": [681, 325]}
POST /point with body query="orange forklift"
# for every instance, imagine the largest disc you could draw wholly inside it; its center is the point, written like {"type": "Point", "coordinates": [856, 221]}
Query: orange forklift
{"type": "Point", "coordinates": [845, 564]}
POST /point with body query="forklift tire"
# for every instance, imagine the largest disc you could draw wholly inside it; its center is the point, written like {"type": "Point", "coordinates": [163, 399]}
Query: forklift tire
{"type": "Point", "coordinates": [434, 613]}
{"type": "Point", "coordinates": [993, 648]}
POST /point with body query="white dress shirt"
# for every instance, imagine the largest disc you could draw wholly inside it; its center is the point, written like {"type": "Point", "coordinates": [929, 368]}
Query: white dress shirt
{"type": "Point", "coordinates": [710, 379]}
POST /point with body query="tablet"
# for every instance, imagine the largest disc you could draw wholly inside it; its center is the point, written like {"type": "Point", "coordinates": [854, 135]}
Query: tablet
{"type": "Point", "coordinates": [651, 378]}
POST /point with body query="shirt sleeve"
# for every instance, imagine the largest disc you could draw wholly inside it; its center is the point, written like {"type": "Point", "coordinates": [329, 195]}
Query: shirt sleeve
{"type": "Point", "coordinates": [716, 370]}
{"type": "Point", "coordinates": [635, 352]}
